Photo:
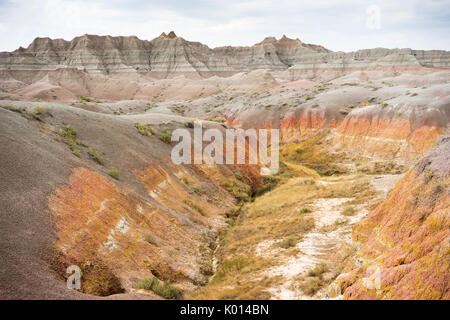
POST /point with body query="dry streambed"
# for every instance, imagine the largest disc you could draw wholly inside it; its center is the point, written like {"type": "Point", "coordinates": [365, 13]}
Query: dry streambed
{"type": "Point", "coordinates": [283, 245]}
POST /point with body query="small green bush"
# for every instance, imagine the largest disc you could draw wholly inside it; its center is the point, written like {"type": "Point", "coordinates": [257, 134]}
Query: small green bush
{"type": "Point", "coordinates": [70, 138]}
{"type": "Point", "coordinates": [304, 210]}
{"type": "Point", "coordinates": [166, 136]}
{"type": "Point", "coordinates": [142, 129]}
{"type": "Point", "coordinates": [269, 184]}
{"type": "Point", "coordinates": [39, 111]}
{"type": "Point", "coordinates": [85, 99]}
{"type": "Point", "coordinates": [114, 173]}
{"type": "Point", "coordinates": [165, 290]}
{"type": "Point", "coordinates": [95, 155]}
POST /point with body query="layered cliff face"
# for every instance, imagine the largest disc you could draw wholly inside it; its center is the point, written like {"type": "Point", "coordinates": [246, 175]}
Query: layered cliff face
{"type": "Point", "coordinates": [399, 128]}
{"type": "Point", "coordinates": [169, 55]}
{"type": "Point", "coordinates": [404, 243]}
{"type": "Point", "coordinates": [164, 56]}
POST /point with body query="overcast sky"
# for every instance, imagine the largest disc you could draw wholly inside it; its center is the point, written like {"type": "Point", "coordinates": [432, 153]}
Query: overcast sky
{"type": "Point", "coordinates": [345, 25]}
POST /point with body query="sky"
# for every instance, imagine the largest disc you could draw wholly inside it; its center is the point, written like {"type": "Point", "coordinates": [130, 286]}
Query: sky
{"type": "Point", "coordinates": [344, 25]}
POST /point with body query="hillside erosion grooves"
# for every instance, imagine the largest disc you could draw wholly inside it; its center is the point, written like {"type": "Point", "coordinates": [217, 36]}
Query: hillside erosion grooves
{"type": "Point", "coordinates": [118, 237]}
{"type": "Point", "coordinates": [324, 226]}
{"type": "Point", "coordinates": [290, 241]}
{"type": "Point", "coordinates": [404, 242]}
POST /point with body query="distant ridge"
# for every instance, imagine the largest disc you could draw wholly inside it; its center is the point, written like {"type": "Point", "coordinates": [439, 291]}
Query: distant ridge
{"type": "Point", "coordinates": [170, 54]}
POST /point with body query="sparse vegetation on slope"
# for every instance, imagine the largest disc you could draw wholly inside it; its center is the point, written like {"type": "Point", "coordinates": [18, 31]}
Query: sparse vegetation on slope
{"type": "Point", "coordinates": [96, 156]}
{"type": "Point", "coordinates": [144, 130]}
{"type": "Point", "coordinates": [165, 290]}
{"type": "Point", "coordinates": [114, 173]}
{"type": "Point", "coordinates": [166, 136]}
{"type": "Point", "coordinates": [70, 138]}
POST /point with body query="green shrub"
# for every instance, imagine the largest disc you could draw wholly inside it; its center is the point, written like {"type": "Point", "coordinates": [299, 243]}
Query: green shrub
{"type": "Point", "coordinates": [165, 290]}
{"type": "Point", "coordinates": [95, 155]}
{"type": "Point", "coordinates": [308, 97]}
{"type": "Point", "coordinates": [39, 111]}
{"type": "Point", "coordinates": [114, 173]}
{"type": "Point", "coordinates": [70, 138]}
{"type": "Point", "coordinates": [85, 99]}
{"type": "Point", "coordinates": [142, 129]}
{"type": "Point", "coordinates": [240, 190]}
{"type": "Point", "coordinates": [304, 210]}
{"type": "Point", "coordinates": [269, 184]}
{"type": "Point", "coordinates": [170, 292]}
{"type": "Point", "coordinates": [166, 136]}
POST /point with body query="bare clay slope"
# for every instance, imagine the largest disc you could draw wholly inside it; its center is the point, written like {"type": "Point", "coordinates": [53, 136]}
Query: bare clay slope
{"type": "Point", "coordinates": [404, 242]}
{"type": "Point", "coordinates": [59, 209]}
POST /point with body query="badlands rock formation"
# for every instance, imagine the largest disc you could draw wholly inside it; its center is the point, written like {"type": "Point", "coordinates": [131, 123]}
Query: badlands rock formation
{"type": "Point", "coordinates": [169, 55]}
{"type": "Point", "coordinates": [404, 251]}
{"type": "Point", "coordinates": [86, 175]}
{"type": "Point", "coordinates": [163, 56]}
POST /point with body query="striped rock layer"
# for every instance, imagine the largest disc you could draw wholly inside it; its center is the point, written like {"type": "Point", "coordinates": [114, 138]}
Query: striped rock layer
{"type": "Point", "coordinates": [169, 55]}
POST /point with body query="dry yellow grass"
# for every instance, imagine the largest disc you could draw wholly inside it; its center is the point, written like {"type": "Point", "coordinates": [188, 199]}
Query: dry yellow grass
{"type": "Point", "coordinates": [314, 153]}
{"type": "Point", "coordinates": [242, 274]}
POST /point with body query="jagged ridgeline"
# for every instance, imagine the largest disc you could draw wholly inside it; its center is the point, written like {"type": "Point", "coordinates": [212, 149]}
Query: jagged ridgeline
{"type": "Point", "coordinates": [170, 54]}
